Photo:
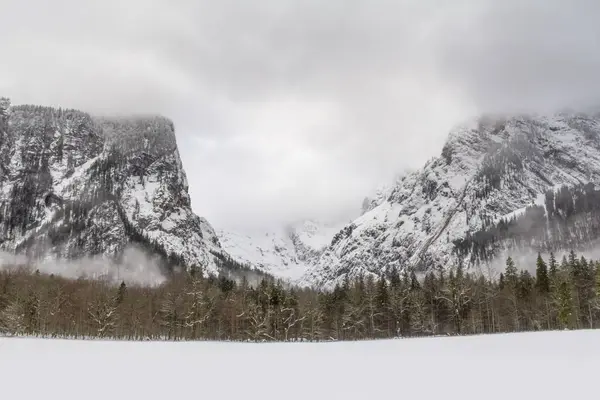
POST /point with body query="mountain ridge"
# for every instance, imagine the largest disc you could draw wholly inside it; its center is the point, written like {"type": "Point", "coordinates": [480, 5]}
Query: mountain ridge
{"type": "Point", "coordinates": [488, 169]}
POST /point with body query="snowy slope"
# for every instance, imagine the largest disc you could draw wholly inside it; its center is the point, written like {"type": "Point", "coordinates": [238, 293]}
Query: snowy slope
{"type": "Point", "coordinates": [489, 168]}
{"type": "Point", "coordinates": [286, 252]}
{"type": "Point", "coordinates": [549, 366]}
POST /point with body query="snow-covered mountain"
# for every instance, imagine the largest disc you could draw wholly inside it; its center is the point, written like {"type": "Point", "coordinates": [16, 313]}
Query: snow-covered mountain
{"type": "Point", "coordinates": [72, 185]}
{"type": "Point", "coordinates": [286, 252]}
{"type": "Point", "coordinates": [489, 170]}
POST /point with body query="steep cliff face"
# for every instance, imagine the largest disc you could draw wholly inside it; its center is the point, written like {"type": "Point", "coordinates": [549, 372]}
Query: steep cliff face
{"type": "Point", "coordinates": [487, 191]}
{"type": "Point", "coordinates": [72, 185]}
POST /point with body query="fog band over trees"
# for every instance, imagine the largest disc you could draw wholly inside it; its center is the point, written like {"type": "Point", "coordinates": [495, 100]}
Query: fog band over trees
{"type": "Point", "coordinates": [135, 267]}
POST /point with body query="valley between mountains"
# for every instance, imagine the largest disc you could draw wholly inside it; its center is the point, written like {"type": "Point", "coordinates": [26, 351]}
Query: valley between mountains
{"type": "Point", "coordinates": [73, 185]}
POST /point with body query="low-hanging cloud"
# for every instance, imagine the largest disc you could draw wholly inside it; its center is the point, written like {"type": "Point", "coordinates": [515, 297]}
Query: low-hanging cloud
{"type": "Point", "coordinates": [288, 109]}
{"type": "Point", "coordinates": [135, 267]}
{"type": "Point", "coordinates": [525, 259]}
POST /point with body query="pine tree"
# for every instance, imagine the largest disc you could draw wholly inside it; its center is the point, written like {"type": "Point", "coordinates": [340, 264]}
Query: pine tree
{"type": "Point", "coordinates": [511, 283]}
{"type": "Point", "coordinates": [414, 282]}
{"type": "Point", "coordinates": [511, 273]}
{"type": "Point", "coordinates": [553, 270]}
{"type": "Point", "coordinates": [565, 308]}
{"type": "Point", "coordinates": [573, 262]}
{"type": "Point", "coordinates": [542, 281]}
{"type": "Point", "coordinates": [564, 265]}
{"type": "Point", "coordinates": [399, 308]}
{"type": "Point", "coordinates": [382, 302]}
{"type": "Point", "coordinates": [419, 321]}
{"type": "Point", "coordinates": [121, 293]}
{"type": "Point", "coordinates": [32, 306]}
{"type": "Point", "coordinates": [526, 285]}
{"type": "Point", "coordinates": [395, 280]}
{"type": "Point", "coordinates": [597, 286]}
{"type": "Point", "coordinates": [584, 286]}
{"type": "Point", "coordinates": [431, 290]}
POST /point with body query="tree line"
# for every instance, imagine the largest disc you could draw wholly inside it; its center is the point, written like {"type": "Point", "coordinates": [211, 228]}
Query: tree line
{"type": "Point", "coordinates": [192, 306]}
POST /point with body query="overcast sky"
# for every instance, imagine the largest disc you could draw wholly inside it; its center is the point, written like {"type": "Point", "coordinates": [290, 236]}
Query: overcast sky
{"type": "Point", "coordinates": [287, 109]}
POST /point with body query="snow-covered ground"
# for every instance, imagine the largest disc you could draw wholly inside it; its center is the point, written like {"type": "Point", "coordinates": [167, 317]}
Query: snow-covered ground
{"type": "Point", "coordinates": [551, 365]}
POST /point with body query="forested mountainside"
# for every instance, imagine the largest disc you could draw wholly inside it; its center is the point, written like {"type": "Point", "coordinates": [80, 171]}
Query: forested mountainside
{"type": "Point", "coordinates": [72, 185]}
{"type": "Point", "coordinates": [502, 183]}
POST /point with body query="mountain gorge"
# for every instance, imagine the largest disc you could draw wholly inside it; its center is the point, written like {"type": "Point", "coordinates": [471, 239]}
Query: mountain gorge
{"type": "Point", "coordinates": [287, 252]}
{"type": "Point", "coordinates": [500, 183]}
{"type": "Point", "coordinates": [73, 185]}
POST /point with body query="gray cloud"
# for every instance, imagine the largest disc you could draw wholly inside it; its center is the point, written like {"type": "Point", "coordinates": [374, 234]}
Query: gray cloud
{"type": "Point", "coordinates": [289, 109]}
{"type": "Point", "coordinates": [525, 55]}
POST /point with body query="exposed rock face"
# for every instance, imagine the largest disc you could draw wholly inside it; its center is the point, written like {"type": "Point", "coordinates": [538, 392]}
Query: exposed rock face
{"type": "Point", "coordinates": [73, 185]}
{"type": "Point", "coordinates": [489, 170]}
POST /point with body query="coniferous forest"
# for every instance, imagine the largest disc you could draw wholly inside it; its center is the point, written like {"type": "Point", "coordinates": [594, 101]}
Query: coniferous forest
{"type": "Point", "coordinates": [568, 219]}
{"type": "Point", "coordinates": [561, 294]}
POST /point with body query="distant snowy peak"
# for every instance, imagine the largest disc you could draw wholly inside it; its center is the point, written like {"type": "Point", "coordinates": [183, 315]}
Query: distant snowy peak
{"type": "Point", "coordinates": [490, 169]}
{"type": "Point", "coordinates": [286, 252]}
{"type": "Point", "coordinates": [273, 253]}
{"type": "Point", "coordinates": [313, 235]}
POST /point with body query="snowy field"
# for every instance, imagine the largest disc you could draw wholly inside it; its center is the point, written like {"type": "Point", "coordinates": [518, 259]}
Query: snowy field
{"type": "Point", "coordinates": [553, 365]}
